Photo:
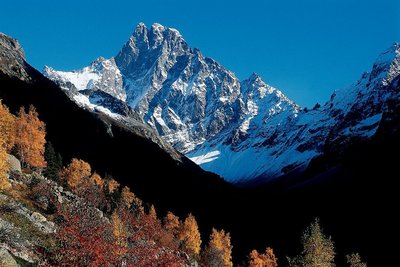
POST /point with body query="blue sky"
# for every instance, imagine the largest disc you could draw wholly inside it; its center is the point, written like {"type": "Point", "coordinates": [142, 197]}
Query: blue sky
{"type": "Point", "coordinates": [305, 48]}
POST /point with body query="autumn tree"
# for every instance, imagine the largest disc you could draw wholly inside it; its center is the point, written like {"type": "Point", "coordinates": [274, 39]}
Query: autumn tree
{"type": "Point", "coordinates": [172, 223]}
{"type": "Point", "coordinates": [7, 127]}
{"type": "Point", "coordinates": [354, 260]}
{"type": "Point", "coordinates": [112, 186]}
{"type": "Point", "coordinates": [144, 247]}
{"type": "Point", "coordinates": [30, 138]}
{"type": "Point", "coordinates": [190, 236]}
{"type": "Point", "coordinates": [97, 180]}
{"type": "Point", "coordinates": [75, 173]}
{"type": "Point", "coordinates": [4, 165]}
{"type": "Point", "coordinates": [266, 259]}
{"type": "Point", "coordinates": [54, 162]}
{"type": "Point", "coordinates": [318, 250]}
{"type": "Point", "coordinates": [131, 201]}
{"type": "Point", "coordinates": [171, 229]}
{"type": "Point", "coordinates": [219, 250]}
{"type": "Point", "coordinates": [120, 235]}
{"type": "Point", "coordinates": [152, 212]}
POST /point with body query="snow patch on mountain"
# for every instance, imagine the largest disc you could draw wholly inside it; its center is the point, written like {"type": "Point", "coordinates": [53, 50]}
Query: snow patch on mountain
{"type": "Point", "coordinates": [102, 74]}
{"type": "Point", "coordinates": [241, 130]}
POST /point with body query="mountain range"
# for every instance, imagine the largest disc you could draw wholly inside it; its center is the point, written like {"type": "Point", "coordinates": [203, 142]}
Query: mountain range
{"type": "Point", "coordinates": [350, 183]}
{"type": "Point", "coordinates": [246, 131]}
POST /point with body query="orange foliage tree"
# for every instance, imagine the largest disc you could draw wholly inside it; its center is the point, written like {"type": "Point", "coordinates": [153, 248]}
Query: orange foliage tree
{"type": "Point", "coordinates": [30, 138]}
{"type": "Point", "coordinates": [127, 197]}
{"type": "Point", "coordinates": [75, 173]}
{"type": "Point", "coordinates": [171, 231]}
{"type": "Point", "coordinates": [4, 166]}
{"type": "Point", "coordinates": [219, 249]}
{"type": "Point", "coordinates": [97, 180]}
{"type": "Point", "coordinates": [112, 185]}
{"type": "Point", "coordinates": [190, 236]}
{"type": "Point", "coordinates": [7, 127]}
{"type": "Point", "coordinates": [266, 259]}
{"type": "Point", "coordinates": [120, 234]}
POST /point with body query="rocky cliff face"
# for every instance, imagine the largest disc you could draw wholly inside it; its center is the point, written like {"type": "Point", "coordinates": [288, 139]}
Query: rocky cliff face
{"type": "Point", "coordinates": [185, 96]}
{"type": "Point", "coordinates": [12, 57]}
{"type": "Point", "coordinates": [241, 130]}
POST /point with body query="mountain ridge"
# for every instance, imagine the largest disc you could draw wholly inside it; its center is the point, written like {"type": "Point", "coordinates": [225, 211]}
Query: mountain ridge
{"type": "Point", "coordinates": [220, 122]}
{"type": "Point", "coordinates": [342, 188]}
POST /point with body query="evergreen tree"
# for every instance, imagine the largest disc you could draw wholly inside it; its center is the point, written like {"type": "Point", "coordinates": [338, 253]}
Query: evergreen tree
{"type": "Point", "coordinates": [54, 162]}
{"type": "Point", "coordinates": [354, 260]}
{"type": "Point", "coordinates": [318, 250]}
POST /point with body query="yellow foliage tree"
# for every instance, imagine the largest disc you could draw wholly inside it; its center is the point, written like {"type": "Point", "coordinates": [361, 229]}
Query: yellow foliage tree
{"type": "Point", "coordinates": [190, 236]}
{"type": "Point", "coordinates": [170, 234]}
{"type": "Point", "coordinates": [7, 127]}
{"type": "Point", "coordinates": [172, 223]}
{"type": "Point", "coordinates": [266, 259]}
{"type": "Point", "coordinates": [127, 197]}
{"type": "Point", "coordinates": [219, 250]}
{"type": "Point", "coordinates": [4, 166]}
{"type": "Point", "coordinates": [75, 172]}
{"type": "Point", "coordinates": [97, 180]}
{"type": "Point", "coordinates": [112, 185]}
{"type": "Point", "coordinates": [120, 235]}
{"type": "Point", "coordinates": [30, 138]}
{"type": "Point", "coordinates": [152, 212]}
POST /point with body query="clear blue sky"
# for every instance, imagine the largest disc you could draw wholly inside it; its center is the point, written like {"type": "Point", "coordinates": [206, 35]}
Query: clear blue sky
{"type": "Point", "coordinates": [306, 48]}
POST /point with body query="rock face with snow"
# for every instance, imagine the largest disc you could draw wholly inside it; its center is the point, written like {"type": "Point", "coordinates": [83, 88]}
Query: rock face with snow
{"type": "Point", "coordinates": [239, 129]}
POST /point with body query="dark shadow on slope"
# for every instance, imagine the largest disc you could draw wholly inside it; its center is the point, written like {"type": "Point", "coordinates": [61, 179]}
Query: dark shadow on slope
{"type": "Point", "coordinates": [353, 193]}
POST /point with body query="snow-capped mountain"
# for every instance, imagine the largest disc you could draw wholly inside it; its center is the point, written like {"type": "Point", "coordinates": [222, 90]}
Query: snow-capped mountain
{"type": "Point", "coordinates": [288, 141]}
{"type": "Point", "coordinates": [239, 129]}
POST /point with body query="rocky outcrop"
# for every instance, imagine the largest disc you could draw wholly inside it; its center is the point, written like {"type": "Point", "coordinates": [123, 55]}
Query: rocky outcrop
{"type": "Point", "coordinates": [6, 260]}
{"type": "Point", "coordinates": [15, 164]}
{"type": "Point", "coordinates": [12, 58]}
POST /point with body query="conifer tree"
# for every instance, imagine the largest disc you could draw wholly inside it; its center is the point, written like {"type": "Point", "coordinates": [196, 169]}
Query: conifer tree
{"type": "Point", "coordinates": [120, 235]}
{"type": "Point", "coordinates": [152, 212]}
{"type": "Point", "coordinates": [4, 166]}
{"type": "Point", "coordinates": [54, 162]}
{"type": "Point", "coordinates": [75, 173]}
{"type": "Point", "coordinates": [30, 138]}
{"type": "Point", "coordinates": [318, 250]}
{"type": "Point", "coordinates": [172, 223]}
{"type": "Point", "coordinates": [219, 250]}
{"type": "Point", "coordinates": [354, 260]}
{"type": "Point", "coordinates": [127, 197]}
{"type": "Point", "coordinates": [97, 180]}
{"type": "Point", "coordinates": [266, 259]}
{"type": "Point", "coordinates": [7, 127]}
{"type": "Point", "coordinates": [190, 236]}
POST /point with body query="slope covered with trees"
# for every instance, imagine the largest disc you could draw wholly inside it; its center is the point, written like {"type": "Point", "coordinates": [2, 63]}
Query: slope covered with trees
{"type": "Point", "coordinates": [98, 223]}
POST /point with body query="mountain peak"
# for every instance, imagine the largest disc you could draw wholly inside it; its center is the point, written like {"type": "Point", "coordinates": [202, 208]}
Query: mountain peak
{"type": "Point", "coordinates": [387, 65]}
{"type": "Point", "coordinates": [254, 77]}
{"type": "Point", "coordinates": [157, 26]}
